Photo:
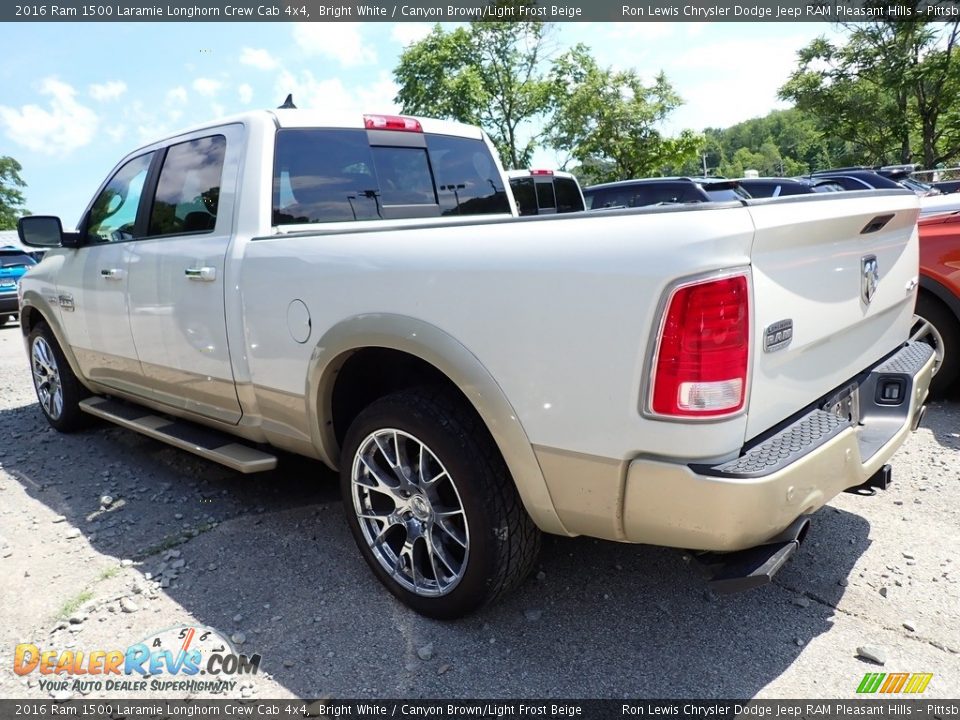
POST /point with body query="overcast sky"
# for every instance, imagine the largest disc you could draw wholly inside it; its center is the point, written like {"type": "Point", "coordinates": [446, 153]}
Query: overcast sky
{"type": "Point", "coordinates": [77, 97]}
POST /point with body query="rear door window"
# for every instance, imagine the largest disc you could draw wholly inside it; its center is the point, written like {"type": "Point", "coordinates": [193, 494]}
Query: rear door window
{"type": "Point", "coordinates": [188, 191]}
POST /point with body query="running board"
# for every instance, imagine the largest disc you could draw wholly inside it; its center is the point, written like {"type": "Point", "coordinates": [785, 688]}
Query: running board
{"type": "Point", "coordinates": [202, 441]}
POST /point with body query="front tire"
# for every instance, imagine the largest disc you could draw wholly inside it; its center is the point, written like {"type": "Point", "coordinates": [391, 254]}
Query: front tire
{"type": "Point", "coordinates": [58, 390]}
{"type": "Point", "coordinates": [935, 324]}
{"type": "Point", "coordinates": [432, 506]}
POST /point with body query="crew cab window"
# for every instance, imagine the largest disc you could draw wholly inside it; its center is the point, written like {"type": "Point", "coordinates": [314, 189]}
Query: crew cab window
{"type": "Point", "coordinates": [404, 175]}
{"type": "Point", "coordinates": [188, 190]}
{"type": "Point", "coordinates": [524, 195]}
{"type": "Point", "coordinates": [324, 176]}
{"type": "Point", "coordinates": [113, 216]}
{"type": "Point", "coordinates": [330, 175]}
{"type": "Point", "coordinates": [568, 195]}
{"type": "Point", "coordinates": [466, 176]}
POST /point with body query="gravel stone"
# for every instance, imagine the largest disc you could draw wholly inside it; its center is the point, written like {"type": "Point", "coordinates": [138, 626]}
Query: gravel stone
{"type": "Point", "coordinates": [800, 602]}
{"type": "Point", "coordinates": [533, 614]}
{"type": "Point", "coordinates": [72, 533]}
{"type": "Point", "coordinates": [238, 638]}
{"type": "Point", "coordinates": [910, 625]}
{"type": "Point", "coordinates": [873, 653]}
{"type": "Point", "coordinates": [128, 605]}
{"type": "Point", "coordinates": [425, 652]}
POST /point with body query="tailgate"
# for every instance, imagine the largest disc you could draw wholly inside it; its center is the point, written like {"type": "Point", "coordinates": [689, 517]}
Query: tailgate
{"type": "Point", "coordinates": [813, 258]}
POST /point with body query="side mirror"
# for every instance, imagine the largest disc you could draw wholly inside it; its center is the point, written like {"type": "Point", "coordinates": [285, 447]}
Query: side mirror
{"type": "Point", "coordinates": [45, 231]}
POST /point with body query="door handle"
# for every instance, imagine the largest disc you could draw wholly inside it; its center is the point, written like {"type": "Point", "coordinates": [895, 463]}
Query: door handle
{"type": "Point", "coordinates": [111, 274]}
{"type": "Point", "coordinates": [206, 274]}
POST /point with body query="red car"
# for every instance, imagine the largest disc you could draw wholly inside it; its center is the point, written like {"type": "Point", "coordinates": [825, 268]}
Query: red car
{"type": "Point", "coordinates": [938, 304]}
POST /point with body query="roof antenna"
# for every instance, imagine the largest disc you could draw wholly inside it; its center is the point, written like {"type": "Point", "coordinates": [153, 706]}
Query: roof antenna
{"type": "Point", "coordinates": [288, 103]}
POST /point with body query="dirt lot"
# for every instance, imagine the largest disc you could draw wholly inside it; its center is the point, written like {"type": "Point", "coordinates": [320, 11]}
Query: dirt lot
{"type": "Point", "coordinates": [268, 560]}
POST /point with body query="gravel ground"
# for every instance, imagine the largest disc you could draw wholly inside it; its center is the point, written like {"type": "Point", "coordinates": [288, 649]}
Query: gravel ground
{"type": "Point", "coordinates": [268, 560]}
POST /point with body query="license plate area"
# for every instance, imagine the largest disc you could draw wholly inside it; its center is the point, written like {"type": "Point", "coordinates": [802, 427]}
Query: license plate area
{"type": "Point", "coordinates": [845, 404]}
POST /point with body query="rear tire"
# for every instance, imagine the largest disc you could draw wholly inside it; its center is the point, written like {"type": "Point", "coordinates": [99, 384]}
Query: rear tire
{"type": "Point", "coordinates": [947, 335]}
{"type": "Point", "coordinates": [58, 390]}
{"type": "Point", "coordinates": [432, 506]}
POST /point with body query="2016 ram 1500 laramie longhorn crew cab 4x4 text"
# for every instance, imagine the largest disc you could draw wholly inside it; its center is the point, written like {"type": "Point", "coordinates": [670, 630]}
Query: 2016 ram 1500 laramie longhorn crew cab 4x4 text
{"type": "Point", "coordinates": [358, 290]}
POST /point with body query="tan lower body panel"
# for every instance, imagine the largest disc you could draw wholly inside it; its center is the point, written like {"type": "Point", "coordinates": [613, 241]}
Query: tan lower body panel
{"type": "Point", "coordinates": [657, 502]}
{"type": "Point", "coordinates": [209, 444]}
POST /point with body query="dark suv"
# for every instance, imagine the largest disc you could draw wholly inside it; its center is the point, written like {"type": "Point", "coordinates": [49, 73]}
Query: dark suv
{"type": "Point", "coordinates": [857, 179]}
{"type": "Point", "coordinates": [662, 191]}
{"type": "Point", "coordinates": [768, 187]}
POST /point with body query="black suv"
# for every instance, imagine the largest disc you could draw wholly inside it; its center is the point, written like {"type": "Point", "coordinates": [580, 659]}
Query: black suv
{"type": "Point", "coordinates": [662, 191]}
{"type": "Point", "coordinates": [857, 179]}
{"type": "Point", "coordinates": [771, 187]}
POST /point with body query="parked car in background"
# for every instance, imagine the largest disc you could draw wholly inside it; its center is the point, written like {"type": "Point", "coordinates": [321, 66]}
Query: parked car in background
{"type": "Point", "coordinates": [903, 174]}
{"type": "Point", "coordinates": [764, 187]}
{"type": "Point", "coordinates": [857, 179]}
{"type": "Point", "coordinates": [938, 303]}
{"type": "Point", "coordinates": [662, 191]}
{"type": "Point", "coordinates": [14, 262]}
{"type": "Point", "coordinates": [947, 186]}
{"type": "Point", "coordinates": [545, 192]}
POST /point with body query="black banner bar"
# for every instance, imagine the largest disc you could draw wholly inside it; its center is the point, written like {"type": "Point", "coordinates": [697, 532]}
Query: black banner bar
{"type": "Point", "coordinates": [115, 709]}
{"type": "Point", "coordinates": [464, 10]}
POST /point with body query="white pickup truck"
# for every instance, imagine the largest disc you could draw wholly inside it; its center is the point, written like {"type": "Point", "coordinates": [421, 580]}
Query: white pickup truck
{"type": "Point", "coordinates": [359, 290]}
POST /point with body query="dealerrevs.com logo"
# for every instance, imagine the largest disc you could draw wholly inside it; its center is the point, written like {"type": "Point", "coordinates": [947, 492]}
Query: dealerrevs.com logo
{"type": "Point", "coordinates": [181, 659]}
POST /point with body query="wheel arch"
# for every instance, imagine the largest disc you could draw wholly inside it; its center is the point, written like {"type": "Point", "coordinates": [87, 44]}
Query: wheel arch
{"type": "Point", "coordinates": [347, 353]}
{"type": "Point", "coordinates": [32, 314]}
{"type": "Point", "coordinates": [942, 293]}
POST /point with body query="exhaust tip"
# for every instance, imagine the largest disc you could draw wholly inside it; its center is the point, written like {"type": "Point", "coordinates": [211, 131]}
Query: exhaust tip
{"type": "Point", "coordinates": [918, 418]}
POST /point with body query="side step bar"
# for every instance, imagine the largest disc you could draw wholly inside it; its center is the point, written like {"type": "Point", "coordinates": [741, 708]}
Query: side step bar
{"type": "Point", "coordinates": [199, 440]}
{"type": "Point", "coordinates": [747, 569]}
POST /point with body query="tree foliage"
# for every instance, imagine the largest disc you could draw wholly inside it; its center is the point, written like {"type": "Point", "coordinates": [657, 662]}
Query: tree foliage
{"type": "Point", "coordinates": [889, 90]}
{"type": "Point", "coordinates": [607, 120]}
{"type": "Point", "coordinates": [11, 196]}
{"type": "Point", "coordinates": [503, 77]}
{"type": "Point", "coordinates": [488, 74]}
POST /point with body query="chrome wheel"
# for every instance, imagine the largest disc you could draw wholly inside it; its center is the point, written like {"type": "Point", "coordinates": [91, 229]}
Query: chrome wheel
{"type": "Point", "coordinates": [925, 331]}
{"type": "Point", "coordinates": [410, 512]}
{"type": "Point", "coordinates": [46, 378]}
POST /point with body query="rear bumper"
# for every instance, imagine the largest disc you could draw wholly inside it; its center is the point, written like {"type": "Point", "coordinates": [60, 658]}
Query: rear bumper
{"type": "Point", "coordinates": [792, 472]}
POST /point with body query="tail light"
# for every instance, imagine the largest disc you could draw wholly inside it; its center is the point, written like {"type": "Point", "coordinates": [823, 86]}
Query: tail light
{"type": "Point", "coordinates": [392, 122]}
{"type": "Point", "coordinates": [702, 356]}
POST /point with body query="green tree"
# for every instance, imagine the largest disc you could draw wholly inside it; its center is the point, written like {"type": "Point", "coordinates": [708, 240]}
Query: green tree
{"type": "Point", "coordinates": [888, 91]}
{"type": "Point", "coordinates": [11, 197]}
{"type": "Point", "coordinates": [606, 120]}
{"type": "Point", "coordinates": [487, 73]}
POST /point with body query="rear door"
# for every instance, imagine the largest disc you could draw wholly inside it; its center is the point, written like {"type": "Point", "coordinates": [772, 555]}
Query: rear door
{"type": "Point", "coordinates": [840, 270]}
{"type": "Point", "coordinates": [176, 276]}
